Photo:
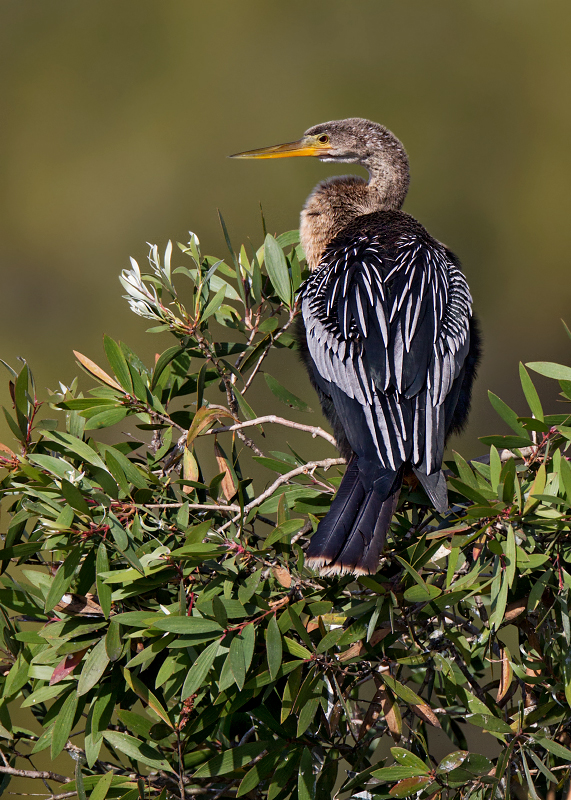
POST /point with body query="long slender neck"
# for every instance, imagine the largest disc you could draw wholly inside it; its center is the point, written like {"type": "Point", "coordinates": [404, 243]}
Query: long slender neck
{"type": "Point", "coordinates": [336, 202]}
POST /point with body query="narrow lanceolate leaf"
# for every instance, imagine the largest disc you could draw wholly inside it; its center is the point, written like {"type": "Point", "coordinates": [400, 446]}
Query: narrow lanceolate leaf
{"type": "Point", "coordinates": [146, 696]}
{"type": "Point", "coordinates": [259, 771]}
{"type": "Point", "coordinates": [200, 670]}
{"type": "Point", "coordinates": [102, 787]}
{"type": "Point", "coordinates": [186, 625]}
{"type": "Point", "coordinates": [118, 362]}
{"type": "Point", "coordinates": [551, 370]}
{"type": "Point", "coordinates": [508, 415]}
{"type": "Point", "coordinates": [408, 759]}
{"type": "Point", "coordinates": [214, 304]}
{"type": "Point", "coordinates": [91, 367]}
{"type": "Point", "coordinates": [93, 669]}
{"type": "Point", "coordinates": [230, 760]}
{"type": "Point", "coordinates": [284, 395]}
{"type": "Point", "coordinates": [237, 661]}
{"type": "Point", "coordinates": [113, 640]}
{"type": "Point", "coordinates": [64, 724]}
{"type": "Point", "coordinates": [530, 392]}
{"type": "Point", "coordinates": [306, 778]}
{"type": "Point", "coordinates": [63, 578]}
{"type": "Point", "coordinates": [276, 266]}
{"type": "Point", "coordinates": [510, 556]}
{"type": "Point", "coordinates": [103, 589]}
{"type": "Point", "coordinates": [137, 750]}
{"type": "Point", "coordinates": [416, 703]}
{"type": "Point", "coordinates": [274, 647]}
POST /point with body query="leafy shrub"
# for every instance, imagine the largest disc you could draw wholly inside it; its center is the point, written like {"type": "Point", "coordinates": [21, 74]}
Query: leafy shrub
{"type": "Point", "coordinates": [160, 604]}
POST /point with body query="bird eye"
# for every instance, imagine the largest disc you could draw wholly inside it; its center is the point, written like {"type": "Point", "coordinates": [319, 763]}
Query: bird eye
{"type": "Point", "coordinates": [323, 139]}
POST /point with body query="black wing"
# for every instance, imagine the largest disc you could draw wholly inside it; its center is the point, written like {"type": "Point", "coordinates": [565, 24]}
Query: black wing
{"type": "Point", "coordinates": [388, 331]}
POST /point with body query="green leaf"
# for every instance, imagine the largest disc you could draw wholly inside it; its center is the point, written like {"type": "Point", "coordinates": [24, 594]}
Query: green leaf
{"type": "Point", "coordinates": [555, 748]}
{"type": "Point", "coordinates": [530, 392]}
{"type": "Point", "coordinates": [138, 751]}
{"type": "Point", "coordinates": [284, 395]}
{"type": "Point", "coordinates": [386, 774]}
{"type": "Point", "coordinates": [274, 647]}
{"type": "Point", "coordinates": [489, 723]}
{"type": "Point", "coordinates": [187, 625]}
{"type": "Point", "coordinates": [79, 785]}
{"type": "Point", "coordinates": [453, 760]}
{"type": "Point", "coordinates": [93, 668]}
{"type": "Point", "coordinates": [508, 415]}
{"type": "Point", "coordinates": [510, 556]}
{"type": "Point", "coordinates": [145, 694]}
{"type": "Point", "coordinates": [408, 759]}
{"type": "Point", "coordinates": [401, 690]}
{"type": "Point", "coordinates": [507, 442]}
{"type": "Point", "coordinates": [102, 786]}
{"type": "Point", "coordinates": [287, 528]}
{"type": "Point", "coordinates": [237, 662]}
{"type": "Point", "coordinates": [200, 670]}
{"type": "Point", "coordinates": [258, 772]}
{"type": "Point", "coordinates": [81, 449]}
{"type": "Point", "coordinates": [63, 578]}
{"type": "Point", "coordinates": [103, 590]}
{"type": "Point", "coordinates": [244, 406]}
{"type": "Point", "coordinates": [163, 361]}
{"type": "Point", "coordinates": [231, 760]}
{"type": "Point", "coordinates": [306, 778]}
{"type": "Point", "coordinates": [118, 363]}
{"type": "Point", "coordinates": [551, 370]}
{"type": "Point", "coordinates": [214, 304]}
{"type": "Point", "coordinates": [418, 594]}
{"type": "Point", "coordinates": [276, 266]}
{"type": "Point", "coordinates": [64, 724]}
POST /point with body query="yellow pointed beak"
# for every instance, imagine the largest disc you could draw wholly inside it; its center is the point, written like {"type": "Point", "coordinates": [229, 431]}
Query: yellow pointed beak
{"type": "Point", "coordinates": [308, 146]}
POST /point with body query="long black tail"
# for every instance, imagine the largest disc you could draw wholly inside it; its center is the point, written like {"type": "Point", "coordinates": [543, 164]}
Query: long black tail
{"type": "Point", "coordinates": [352, 535]}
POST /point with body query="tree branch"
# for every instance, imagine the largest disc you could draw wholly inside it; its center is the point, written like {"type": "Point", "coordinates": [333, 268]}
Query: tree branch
{"type": "Point", "coordinates": [33, 773]}
{"type": "Point", "coordinates": [303, 469]}
{"type": "Point", "coordinates": [292, 315]}
{"type": "Point", "coordinates": [298, 426]}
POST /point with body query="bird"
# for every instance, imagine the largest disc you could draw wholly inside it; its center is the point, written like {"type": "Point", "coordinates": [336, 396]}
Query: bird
{"type": "Point", "coordinates": [387, 335]}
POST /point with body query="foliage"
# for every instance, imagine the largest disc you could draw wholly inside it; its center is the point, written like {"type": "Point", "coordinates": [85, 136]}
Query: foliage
{"type": "Point", "coordinates": [155, 599]}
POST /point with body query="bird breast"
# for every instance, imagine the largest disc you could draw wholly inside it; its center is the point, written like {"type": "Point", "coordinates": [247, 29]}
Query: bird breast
{"type": "Point", "coordinates": [332, 206]}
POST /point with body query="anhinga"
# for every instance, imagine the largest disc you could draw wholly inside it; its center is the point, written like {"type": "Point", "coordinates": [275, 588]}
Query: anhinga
{"type": "Point", "coordinates": [388, 337]}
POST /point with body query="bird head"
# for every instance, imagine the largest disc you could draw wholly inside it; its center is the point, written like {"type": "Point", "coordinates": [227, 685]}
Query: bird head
{"type": "Point", "coordinates": [354, 140]}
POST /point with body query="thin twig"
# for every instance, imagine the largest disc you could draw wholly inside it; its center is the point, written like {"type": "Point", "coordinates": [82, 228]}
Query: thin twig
{"type": "Point", "coordinates": [304, 469]}
{"type": "Point", "coordinates": [292, 315]}
{"type": "Point", "coordinates": [196, 506]}
{"type": "Point", "coordinates": [37, 774]}
{"type": "Point", "coordinates": [314, 430]}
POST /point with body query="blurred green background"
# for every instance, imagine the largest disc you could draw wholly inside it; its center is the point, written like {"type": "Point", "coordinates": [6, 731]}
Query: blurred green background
{"type": "Point", "coordinates": [117, 119]}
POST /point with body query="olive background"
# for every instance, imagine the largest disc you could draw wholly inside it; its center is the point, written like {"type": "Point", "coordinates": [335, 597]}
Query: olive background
{"type": "Point", "coordinates": [117, 117]}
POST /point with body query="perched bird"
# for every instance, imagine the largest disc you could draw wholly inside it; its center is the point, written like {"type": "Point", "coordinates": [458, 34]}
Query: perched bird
{"type": "Point", "coordinates": [388, 337]}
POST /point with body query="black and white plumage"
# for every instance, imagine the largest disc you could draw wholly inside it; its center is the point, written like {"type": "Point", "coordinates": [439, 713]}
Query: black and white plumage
{"type": "Point", "coordinates": [387, 337]}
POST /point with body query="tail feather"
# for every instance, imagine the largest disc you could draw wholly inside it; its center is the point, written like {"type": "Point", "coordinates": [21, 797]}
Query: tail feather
{"type": "Point", "coordinates": [352, 535]}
